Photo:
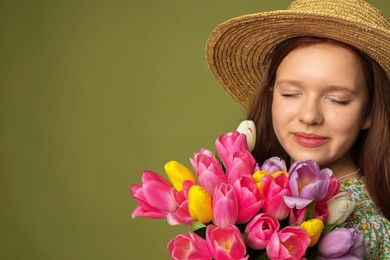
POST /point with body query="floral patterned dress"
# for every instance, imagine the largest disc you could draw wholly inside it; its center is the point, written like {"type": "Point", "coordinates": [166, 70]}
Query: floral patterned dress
{"type": "Point", "coordinates": [367, 218]}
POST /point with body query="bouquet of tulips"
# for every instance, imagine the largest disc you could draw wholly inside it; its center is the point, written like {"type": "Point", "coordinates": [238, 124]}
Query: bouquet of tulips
{"type": "Point", "coordinates": [239, 209]}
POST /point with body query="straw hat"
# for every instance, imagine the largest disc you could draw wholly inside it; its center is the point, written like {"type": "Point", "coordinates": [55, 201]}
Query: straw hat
{"type": "Point", "coordinates": [237, 49]}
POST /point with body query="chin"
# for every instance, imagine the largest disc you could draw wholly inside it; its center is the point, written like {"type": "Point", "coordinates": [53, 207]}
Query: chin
{"type": "Point", "coordinates": [305, 157]}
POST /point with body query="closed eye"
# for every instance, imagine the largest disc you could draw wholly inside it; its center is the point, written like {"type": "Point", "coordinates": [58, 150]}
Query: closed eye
{"type": "Point", "coordinates": [343, 102]}
{"type": "Point", "coordinates": [289, 95]}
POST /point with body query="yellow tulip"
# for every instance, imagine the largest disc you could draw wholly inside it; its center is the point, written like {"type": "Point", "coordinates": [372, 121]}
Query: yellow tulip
{"type": "Point", "coordinates": [178, 173]}
{"type": "Point", "coordinates": [199, 204]}
{"type": "Point", "coordinates": [313, 228]}
{"type": "Point", "coordinates": [257, 176]}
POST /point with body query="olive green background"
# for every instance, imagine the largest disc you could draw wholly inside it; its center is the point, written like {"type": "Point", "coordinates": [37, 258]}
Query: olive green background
{"type": "Point", "coordinates": [92, 93]}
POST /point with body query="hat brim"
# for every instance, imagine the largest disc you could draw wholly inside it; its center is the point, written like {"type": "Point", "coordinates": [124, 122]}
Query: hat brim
{"type": "Point", "coordinates": [236, 50]}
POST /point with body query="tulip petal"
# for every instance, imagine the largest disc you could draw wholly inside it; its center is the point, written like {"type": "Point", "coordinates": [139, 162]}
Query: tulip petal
{"type": "Point", "coordinates": [289, 243]}
{"type": "Point", "coordinates": [274, 164]}
{"type": "Point", "coordinates": [248, 128]}
{"type": "Point", "coordinates": [178, 173]}
{"type": "Point", "coordinates": [276, 207]}
{"type": "Point", "coordinates": [155, 196]}
{"type": "Point", "coordinates": [297, 203]}
{"type": "Point", "coordinates": [199, 204]}
{"type": "Point", "coordinates": [141, 212]}
{"type": "Point", "coordinates": [209, 170]}
{"type": "Point", "coordinates": [225, 206]}
{"type": "Point", "coordinates": [336, 243]}
{"type": "Point", "coordinates": [228, 144]}
{"type": "Point", "coordinates": [189, 247]}
{"type": "Point", "coordinates": [226, 243]}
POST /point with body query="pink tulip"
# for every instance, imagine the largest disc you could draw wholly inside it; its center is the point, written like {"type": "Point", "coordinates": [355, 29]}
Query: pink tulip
{"type": "Point", "coordinates": [260, 229]}
{"type": "Point", "coordinates": [321, 210]}
{"type": "Point", "coordinates": [296, 216]}
{"type": "Point", "coordinates": [274, 164]}
{"type": "Point", "coordinates": [228, 144]}
{"type": "Point", "coordinates": [242, 164]}
{"type": "Point", "coordinates": [226, 242]}
{"type": "Point", "coordinates": [181, 215]}
{"type": "Point", "coordinates": [210, 172]}
{"type": "Point", "coordinates": [156, 197]}
{"type": "Point", "coordinates": [274, 191]}
{"type": "Point", "coordinates": [307, 182]}
{"type": "Point", "coordinates": [189, 246]}
{"type": "Point", "coordinates": [289, 243]}
{"type": "Point", "coordinates": [334, 188]}
{"type": "Point", "coordinates": [225, 206]}
{"type": "Point", "coordinates": [249, 201]}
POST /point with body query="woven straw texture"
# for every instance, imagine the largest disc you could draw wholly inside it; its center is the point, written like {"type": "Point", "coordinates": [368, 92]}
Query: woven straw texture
{"type": "Point", "coordinates": [236, 50]}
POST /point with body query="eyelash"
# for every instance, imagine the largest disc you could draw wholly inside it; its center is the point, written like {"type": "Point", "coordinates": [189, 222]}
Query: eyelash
{"type": "Point", "coordinates": [339, 102]}
{"type": "Point", "coordinates": [288, 95]}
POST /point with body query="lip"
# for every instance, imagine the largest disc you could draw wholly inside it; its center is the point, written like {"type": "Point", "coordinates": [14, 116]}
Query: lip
{"type": "Point", "coordinates": [309, 140]}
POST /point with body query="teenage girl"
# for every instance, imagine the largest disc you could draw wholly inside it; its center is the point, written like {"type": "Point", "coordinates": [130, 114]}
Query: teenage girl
{"type": "Point", "coordinates": [315, 80]}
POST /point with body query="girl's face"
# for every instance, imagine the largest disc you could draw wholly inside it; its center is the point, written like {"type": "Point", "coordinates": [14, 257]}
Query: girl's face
{"type": "Point", "coordinates": [319, 105]}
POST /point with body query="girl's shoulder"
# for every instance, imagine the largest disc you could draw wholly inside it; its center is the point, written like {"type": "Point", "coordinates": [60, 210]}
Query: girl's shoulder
{"type": "Point", "coordinates": [367, 218]}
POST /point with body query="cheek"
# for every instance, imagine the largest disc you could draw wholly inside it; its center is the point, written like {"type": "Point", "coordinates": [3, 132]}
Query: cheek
{"type": "Point", "coordinates": [346, 127]}
{"type": "Point", "coordinates": [277, 117]}
{"type": "Point", "coordinates": [282, 114]}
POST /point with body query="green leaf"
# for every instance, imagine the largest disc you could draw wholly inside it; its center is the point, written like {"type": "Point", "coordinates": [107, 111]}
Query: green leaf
{"type": "Point", "coordinates": [309, 214]}
{"type": "Point", "coordinates": [328, 228]}
{"type": "Point", "coordinates": [197, 225]}
{"type": "Point", "coordinates": [199, 228]}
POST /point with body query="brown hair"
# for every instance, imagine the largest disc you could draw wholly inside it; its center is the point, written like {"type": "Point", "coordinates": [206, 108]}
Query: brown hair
{"type": "Point", "coordinates": [371, 150]}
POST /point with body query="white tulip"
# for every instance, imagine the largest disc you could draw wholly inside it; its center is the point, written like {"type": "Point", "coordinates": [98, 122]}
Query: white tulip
{"type": "Point", "coordinates": [340, 206]}
{"type": "Point", "coordinates": [248, 128]}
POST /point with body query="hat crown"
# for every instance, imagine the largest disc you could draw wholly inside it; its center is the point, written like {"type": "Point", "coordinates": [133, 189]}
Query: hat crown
{"type": "Point", "coordinates": [357, 11]}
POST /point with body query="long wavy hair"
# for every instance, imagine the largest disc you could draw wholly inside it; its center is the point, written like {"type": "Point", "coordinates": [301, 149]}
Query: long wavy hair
{"type": "Point", "coordinates": [371, 150]}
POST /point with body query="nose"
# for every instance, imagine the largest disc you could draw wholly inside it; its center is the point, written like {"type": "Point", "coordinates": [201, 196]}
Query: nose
{"type": "Point", "coordinates": [311, 112]}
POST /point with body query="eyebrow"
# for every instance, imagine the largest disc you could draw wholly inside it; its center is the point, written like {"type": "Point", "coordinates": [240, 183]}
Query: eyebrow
{"type": "Point", "coordinates": [288, 81]}
{"type": "Point", "coordinates": [298, 83]}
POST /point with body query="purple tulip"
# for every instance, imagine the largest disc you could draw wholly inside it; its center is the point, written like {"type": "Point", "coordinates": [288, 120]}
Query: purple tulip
{"type": "Point", "coordinates": [342, 243]}
{"type": "Point", "coordinates": [307, 182]}
{"type": "Point", "coordinates": [274, 164]}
